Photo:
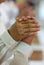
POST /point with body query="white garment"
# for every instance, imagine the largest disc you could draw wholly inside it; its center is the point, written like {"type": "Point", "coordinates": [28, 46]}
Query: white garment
{"type": "Point", "coordinates": [8, 13]}
{"type": "Point", "coordinates": [12, 52]}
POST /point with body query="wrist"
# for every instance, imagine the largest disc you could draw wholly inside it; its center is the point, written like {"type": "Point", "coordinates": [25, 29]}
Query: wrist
{"type": "Point", "coordinates": [14, 34]}
{"type": "Point", "coordinates": [28, 40]}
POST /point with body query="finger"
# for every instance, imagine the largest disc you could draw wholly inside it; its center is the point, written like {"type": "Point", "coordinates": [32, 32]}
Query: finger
{"type": "Point", "coordinates": [20, 31]}
{"type": "Point", "coordinates": [23, 31]}
{"type": "Point", "coordinates": [36, 21]}
{"type": "Point", "coordinates": [32, 18]}
{"type": "Point", "coordinates": [29, 17]}
{"type": "Point", "coordinates": [32, 33]}
{"type": "Point", "coordinates": [24, 26]}
{"type": "Point", "coordinates": [19, 25]}
{"type": "Point", "coordinates": [28, 22]}
{"type": "Point", "coordinates": [29, 34]}
{"type": "Point", "coordinates": [22, 21]}
{"type": "Point", "coordinates": [18, 19]}
{"type": "Point", "coordinates": [33, 25]}
{"type": "Point", "coordinates": [31, 21]}
{"type": "Point", "coordinates": [34, 29]}
{"type": "Point", "coordinates": [31, 30]}
{"type": "Point", "coordinates": [24, 18]}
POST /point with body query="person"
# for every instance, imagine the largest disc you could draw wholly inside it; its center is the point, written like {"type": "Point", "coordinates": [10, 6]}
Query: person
{"type": "Point", "coordinates": [15, 43]}
{"type": "Point", "coordinates": [7, 11]}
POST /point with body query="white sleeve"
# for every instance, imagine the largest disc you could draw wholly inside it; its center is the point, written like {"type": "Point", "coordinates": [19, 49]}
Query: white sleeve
{"type": "Point", "coordinates": [25, 49]}
{"type": "Point", "coordinates": [8, 13]}
{"type": "Point", "coordinates": [7, 39]}
{"type": "Point", "coordinates": [23, 52]}
{"type": "Point", "coordinates": [6, 42]}
{"type": "Point", "coordinates": [16, 59]}
{"type": "Point", "coordinates": [20, 56]}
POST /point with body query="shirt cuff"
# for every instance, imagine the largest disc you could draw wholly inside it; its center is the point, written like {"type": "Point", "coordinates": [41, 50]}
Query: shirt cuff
{"type": "Point", "coordinates": [25, 49]}
{"type": "Point", "coordinates": [8, 40]}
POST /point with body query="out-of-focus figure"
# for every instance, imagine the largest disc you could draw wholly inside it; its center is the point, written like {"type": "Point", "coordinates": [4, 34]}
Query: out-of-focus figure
{"type": "Point", "coordinates": [19, 57]}
{"type": "Point", "coordinates": [8, 12]}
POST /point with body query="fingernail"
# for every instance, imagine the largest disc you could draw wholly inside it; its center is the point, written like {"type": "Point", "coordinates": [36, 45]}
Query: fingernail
{"type": "Point", "coordinates": [28, 17]}
{"type": "Point", "coordinates": [20, 19]}
{"type": "Point", "coordinates": [24, 18]}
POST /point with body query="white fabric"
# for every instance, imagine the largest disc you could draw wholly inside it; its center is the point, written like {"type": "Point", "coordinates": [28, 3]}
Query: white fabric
{"type": "Point", "coordinates": [11, 52]}
{"type": "Point", "coordinates": [21, 51]}
{"type": "Point", "coordinates": [25, 49]}
{"type": "Point", "coordinates": [8, 12]}
{"type": "Point", "coordinates": [2, 28]}
{"type": "Point", "coordinates": [7, 39]}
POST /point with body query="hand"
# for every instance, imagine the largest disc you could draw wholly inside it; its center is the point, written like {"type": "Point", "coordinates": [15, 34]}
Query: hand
{"type": "Point", "coordinates": [19, 30]}
{"type": "Point", "coordinates": [24, 27]}
{"type": "Point", "coordinates": [28, 25]}
{"type": "Point", "coordinates": [35, 28]}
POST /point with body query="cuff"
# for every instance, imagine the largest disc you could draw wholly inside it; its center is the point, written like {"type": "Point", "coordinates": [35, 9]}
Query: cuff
{"type": "Point", "coordinates": [8, 40]}
{"type": "Point", "coordinates": [25, 49]}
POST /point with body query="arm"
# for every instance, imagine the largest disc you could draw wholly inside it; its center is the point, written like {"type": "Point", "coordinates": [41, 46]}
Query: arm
{"type": "Point", "coordinates": [21, 47]}
{"type": "Point", "coordinates": [20, 56]}
{"type": "Point", "coordinates": [24, 31]}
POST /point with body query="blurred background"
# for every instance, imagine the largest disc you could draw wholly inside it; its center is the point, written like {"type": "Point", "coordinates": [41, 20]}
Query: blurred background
{"type": "Point", "coordinates": [37, 57]}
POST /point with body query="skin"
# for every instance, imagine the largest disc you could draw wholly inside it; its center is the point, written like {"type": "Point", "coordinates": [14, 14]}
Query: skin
{"type": "Point", "coordinates": [26, 25]}
{"type": "Point", "coordinates": [2, 1]}
{"type": "Point", "coordinates": [26, 10]}
{"type": "Point", "coordinates": [24, 31]}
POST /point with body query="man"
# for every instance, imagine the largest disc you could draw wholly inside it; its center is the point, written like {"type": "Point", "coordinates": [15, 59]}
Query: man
{"type": "Point", "coordinates": [13, 51]}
